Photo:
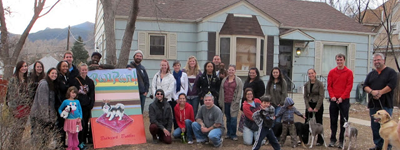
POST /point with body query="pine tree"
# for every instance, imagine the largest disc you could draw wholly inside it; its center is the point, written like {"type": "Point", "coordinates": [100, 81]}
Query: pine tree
{"type": "Point", "coordinates": [80, 53]}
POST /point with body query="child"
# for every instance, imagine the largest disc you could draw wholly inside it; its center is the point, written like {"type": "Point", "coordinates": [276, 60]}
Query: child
{"type": "Point", "coordinates": [72, 124]}
{"type": "Point", "coordinates": [287, 113]}
{"type": "Point", "coordinates": [264, 118]}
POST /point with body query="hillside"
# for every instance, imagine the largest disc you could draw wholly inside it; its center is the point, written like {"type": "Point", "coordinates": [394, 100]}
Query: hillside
{"type": "Point", "coordinates": [85, 30]}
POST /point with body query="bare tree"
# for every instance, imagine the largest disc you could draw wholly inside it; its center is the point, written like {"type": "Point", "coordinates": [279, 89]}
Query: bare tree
{"type": "Point", "coordinates": [109, 8]}
{"type": "Point", "coordinates": [10, 60]}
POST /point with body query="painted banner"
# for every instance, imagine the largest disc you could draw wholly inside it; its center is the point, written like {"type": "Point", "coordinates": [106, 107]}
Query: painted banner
{"type": "Point", "coordinates": [116, 116]}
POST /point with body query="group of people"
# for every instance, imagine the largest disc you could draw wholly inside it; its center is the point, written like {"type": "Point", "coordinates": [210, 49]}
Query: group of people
{"type": "Point", "coordinates": [43, 96]}
{"type": "Point", "coordinates": [191, 103]}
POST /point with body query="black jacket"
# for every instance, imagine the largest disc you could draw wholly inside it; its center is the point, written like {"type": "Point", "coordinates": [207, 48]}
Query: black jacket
{"type": "Point", "coordinates": [74, 73]}
{"type": "Point", "coordinates": [145, 84]}
{"type": "Point", "coordinates": [160, 113]}
{"type": "Point", "coordinates": [86, 98]}
{"type": "Point", "coordinates": [204, 86]}
{"type": "Point", "coordinates": [63, 85]}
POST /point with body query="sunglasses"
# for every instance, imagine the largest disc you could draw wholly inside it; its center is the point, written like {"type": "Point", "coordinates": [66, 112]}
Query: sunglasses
{"type": "Point", "coordinates": [159, 94]}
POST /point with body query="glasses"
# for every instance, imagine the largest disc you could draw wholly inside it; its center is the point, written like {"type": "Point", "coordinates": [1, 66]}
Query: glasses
{"type": "Point", "coordinates": [159, 94]}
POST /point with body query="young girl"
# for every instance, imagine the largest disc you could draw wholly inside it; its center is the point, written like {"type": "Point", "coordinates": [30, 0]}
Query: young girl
{"type": "Point", "coordinates": [72, 124]}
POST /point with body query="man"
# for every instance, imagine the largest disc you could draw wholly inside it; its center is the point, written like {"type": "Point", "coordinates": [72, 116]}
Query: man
{"type": "Point", "coordinates": [380, 84]}
{"type": "Point", "coordinates": [160, 114]}
{"type": "Point", "coordinates": [340, 83]}
{"type": "Point", "coordinates": [217, 62]}
{"type": "Point", "coordinates": [209, 123]}
{"type": "Point", "coordinates": [94, 63]}
{"type": "Point", "coordinates": [143, 78]}
{"type": "Point", "coordinates": [73, 71]}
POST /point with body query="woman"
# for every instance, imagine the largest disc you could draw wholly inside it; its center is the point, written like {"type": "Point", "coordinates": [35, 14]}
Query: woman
{"type": "Point", "coordinates": [209, 82]}
{"type": "Point", "coordinates": [277, 88]}
{"type": "Point", "coordinates": [181, 80]}
{"type": "Point", "coordinates": [63, 85]}
{"type": "Point", "coordinates": [229, 99]}
{"type": "Point", "coordinates": [43, 114]}
{"type": "Point", "coordinates": [254, 82]}
{"type": "Point", "coordinates": [250, 105]}
{"type": "Point", "coordinates": [184, 117]}
{"type": "Point", "coordinates": [160, 114]}
{"type": "Point", "coordinates": [86, 98]}
{"type": "Point", "coordinates": [193, 72]}
{"type": "Point", "coordinates": [313, 98]}
{"type": "Point", "coordinates": [164, 80]}
{"type": "Point", "coordinates": [36, 75]}
{"type": "Point", "coordinates": [19, 100]}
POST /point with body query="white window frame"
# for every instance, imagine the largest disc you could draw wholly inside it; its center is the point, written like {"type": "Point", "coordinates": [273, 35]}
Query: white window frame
{"type": "Point", "coordinates": [232, 58]}
{"type": "Point", "coordinates": [165, 46]}
{"type": "Point", "coordinates": [319, 50]}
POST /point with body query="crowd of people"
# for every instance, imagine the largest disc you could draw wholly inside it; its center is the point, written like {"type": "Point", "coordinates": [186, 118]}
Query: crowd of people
{"type": "Point", "coordinates": [190, 104]}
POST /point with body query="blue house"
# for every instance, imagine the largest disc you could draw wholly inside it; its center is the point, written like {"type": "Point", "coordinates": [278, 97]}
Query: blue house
{"type": "Point", "coordinates": [293, 35]}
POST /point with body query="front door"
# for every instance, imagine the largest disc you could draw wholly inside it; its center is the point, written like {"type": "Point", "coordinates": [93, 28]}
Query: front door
{"type": "Point", "coordinates": [285, 61]}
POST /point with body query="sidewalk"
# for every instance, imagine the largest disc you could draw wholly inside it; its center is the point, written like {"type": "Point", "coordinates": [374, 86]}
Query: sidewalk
{"type": "Point", "coordinates": [355, 120]}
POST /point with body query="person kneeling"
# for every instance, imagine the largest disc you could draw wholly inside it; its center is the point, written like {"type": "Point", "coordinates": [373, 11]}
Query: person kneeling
{"type": "Point", "coordinates": [160, 114]}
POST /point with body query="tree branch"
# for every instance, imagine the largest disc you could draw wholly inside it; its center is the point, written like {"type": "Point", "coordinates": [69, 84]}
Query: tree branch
{"type": "Point", "coordinates": [50, 8]}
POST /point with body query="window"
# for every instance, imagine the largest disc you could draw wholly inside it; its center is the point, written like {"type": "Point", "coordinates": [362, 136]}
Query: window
{"type": "Point", "coordinates": [157, 45]}
{"type": "Point", "coordinates": [325, 53]}
{"type": "Point", "coordinates": [225, 48]}
{"type": "Point", "coordinates": [245, 53]}
{"type": "Point", "coordinates": [330, 51]}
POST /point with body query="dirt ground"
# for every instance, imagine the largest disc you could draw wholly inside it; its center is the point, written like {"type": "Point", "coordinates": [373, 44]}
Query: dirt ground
{"type": "Point", "coordinates": [364, 140]}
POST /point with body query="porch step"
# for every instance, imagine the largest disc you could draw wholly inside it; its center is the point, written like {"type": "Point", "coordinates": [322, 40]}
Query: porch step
{"type": "Point", "coordinates": [300, 105]}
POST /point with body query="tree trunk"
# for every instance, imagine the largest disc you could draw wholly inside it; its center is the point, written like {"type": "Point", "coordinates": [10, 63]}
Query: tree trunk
{"type": "Point", "coordinates": [396, 95]}
{"type": "Point", "coordinates": [108, 18]}
{"type": "Point", "coordinates": [128, 35]}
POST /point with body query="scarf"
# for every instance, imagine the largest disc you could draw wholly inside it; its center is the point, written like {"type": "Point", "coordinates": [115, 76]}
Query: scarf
{"type": "Point", "coordinates": [177, 77]}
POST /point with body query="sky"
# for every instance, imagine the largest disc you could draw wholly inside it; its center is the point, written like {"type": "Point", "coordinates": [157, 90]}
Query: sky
{"type": "Point", "coordinates": [66, 12]}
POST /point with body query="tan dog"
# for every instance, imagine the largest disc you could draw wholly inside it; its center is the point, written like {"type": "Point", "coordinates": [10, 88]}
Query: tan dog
{"type": "Point", "coordinates": [388, 130]}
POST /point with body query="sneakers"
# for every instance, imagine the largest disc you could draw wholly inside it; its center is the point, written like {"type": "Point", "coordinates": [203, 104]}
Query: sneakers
{"type": "Point", "coordinates": [332, 144]}
{"type": "Point", "coordinates": [155, 141]}
{"type": "Point", "coordinates": [82, 146]}
{"type": "Point", "coordinates": [319, 144]}
{"type": "Point", "coordinates": [340, 145]}
{"type": "Point", "coordinates": [227, 137]}
{"type": "Point", "coordinates": [220, 144]}
{"type": "Point", "coordinates": [190, 142]}
{"type": "Point", "coordinates": [235, 138]}
{"type": "Point", "coordinates": [375, 148]}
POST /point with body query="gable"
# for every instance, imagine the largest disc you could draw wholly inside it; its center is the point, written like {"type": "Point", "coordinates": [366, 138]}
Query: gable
{"type": "Point", "coordinates": [296, 35]}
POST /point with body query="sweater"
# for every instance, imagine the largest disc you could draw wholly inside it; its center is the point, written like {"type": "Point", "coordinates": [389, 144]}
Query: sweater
{"type": "Point", "coordinates": [340, 83]}
{"type": "Point", "coordinates": [73, 114]}
{"type": "Point", "coordinates": [182, 115]}
{"type": "Point", "coordinates": [167, 84]}
{"type": "Point", "coordinates": [43, 104]}
{"type": "Point", "coordinates": [263, 118]}
{"type": "Point", "coordinates": [278, 94]}
{"type": "Point", "coordinates": [192, 85]}
{"type": "Point", "coordinates": [235, 104]}
{"type": "Point", "coordinates": [257, 86]}
{"type": "Point", "coordinates": [387, 77]}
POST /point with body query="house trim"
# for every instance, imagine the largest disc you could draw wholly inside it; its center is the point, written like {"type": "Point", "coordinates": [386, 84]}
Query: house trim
{"type": "Point", "coordinates": [284, 36]}
{"type": "Point", "coordinates": [328, 30]}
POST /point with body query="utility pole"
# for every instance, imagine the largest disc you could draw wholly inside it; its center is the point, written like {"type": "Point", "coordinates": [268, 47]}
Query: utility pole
{"type": "Point", "coordinates": [69, 28]}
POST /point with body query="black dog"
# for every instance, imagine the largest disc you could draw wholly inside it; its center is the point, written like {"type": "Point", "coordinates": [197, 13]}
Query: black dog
{"type": "Point", "coordinates": [301, 131]}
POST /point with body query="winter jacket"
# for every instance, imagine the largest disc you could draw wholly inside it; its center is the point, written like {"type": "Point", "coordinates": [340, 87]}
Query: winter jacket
{"type": "Point", "coordinates": [248, 111]}
{"type": "Point", "coordinates": [288, 114]}
{"type": "Point", "coordinates": [167, 84]}
{"type": "Point", "coordinates": [204, 86]}
{"type": "Point", "coordinates": [43, 104]}
{"type": "Point", "coordinates": [315, 95]}
{"type": "Point", "coordinates": [263, 117]}
{"type": "Point", "coordinates": [184, 86]}
{"type": "Point", "coordinates": [235, 105]}
{"type": "Point", "coordinates": [63, 85]}
{"type": "Point", "coordinates": [340, 82]}
{"type": "Point", "coordinates": [182, 115]}
{"type": "Point", "coordinates": [86, 92]}
{"type": "Point", "coordinates": [74, 73]}
{"type": "Point", "coordinates": [144, 83]}
{"type": "Point", "coordinates": [278, 94]}
{"type": "Point", "coordinates": [160, 113]}
{"type": "Point", "coordinates": [192, 89]}
{"type": "Point", "coordinates": [257, 86]}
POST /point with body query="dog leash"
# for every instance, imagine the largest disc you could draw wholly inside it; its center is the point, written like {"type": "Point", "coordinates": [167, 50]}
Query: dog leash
{"type": "Point", "coordinates": [341, 112]}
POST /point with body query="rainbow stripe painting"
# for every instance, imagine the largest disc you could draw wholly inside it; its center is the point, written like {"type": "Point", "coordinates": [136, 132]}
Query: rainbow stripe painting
{"type": "Point", "coordinates": [116, 86]}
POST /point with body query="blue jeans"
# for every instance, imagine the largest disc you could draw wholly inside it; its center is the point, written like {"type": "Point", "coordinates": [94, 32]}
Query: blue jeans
{"type": "Point", "coordinates": [375, 126]}
{"type": "Point", "coordinates": [195, 104]}
{"type": "Point", "coordinates": [142, 101]}
{"type": "Point", "coordinates": [214, 135]}
{"type": "Point", "coordinates": [266, 132]}
{"type": "Point", "coordinates": [189, 131]}
{"type": "Point", "coordinates": [231, 121]}
{"type": "Point", "coordinates": [249, 136]}
{"type": "Point", "coordinates": [277, 109]}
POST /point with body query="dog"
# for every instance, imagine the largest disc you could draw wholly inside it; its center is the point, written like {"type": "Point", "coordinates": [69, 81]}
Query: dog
{"type": "Point", "coordinates": [351, 133]}
{"type": "Point", "coordinates": [301, 131]}
{"type": "Point", "coordinates": [65, 112]}
{"type": "Point", "coordinates": [315, 129]}
{"type": "Point", "coordinates": [113, 110]}
{"type": "Point", "coordinates": [388, 130]}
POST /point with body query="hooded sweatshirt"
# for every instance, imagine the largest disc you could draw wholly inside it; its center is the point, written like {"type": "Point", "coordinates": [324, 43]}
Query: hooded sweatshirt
{"type": "Point", "coordinates": [182, 115]}
{"type": "Point", "coordinates": [85, 91]}
{"type": "Point", "coordinates": [286, 113]}
{"type": "Point", "coordinates": [160, 113]}
{"type": "Point", "coordinates": [340, 82]}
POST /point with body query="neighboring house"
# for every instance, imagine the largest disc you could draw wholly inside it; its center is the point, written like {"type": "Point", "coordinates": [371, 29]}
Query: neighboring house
{"type": "Point", "coordinates": [247, 33]}
{"type": "Point", "coordinates": [48, 62]}
{"type": "Point", "coordinates": [374, 19]}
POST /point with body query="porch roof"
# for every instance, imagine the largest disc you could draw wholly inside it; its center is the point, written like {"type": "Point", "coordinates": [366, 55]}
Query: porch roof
{"type": "Point", "coordinates": [295, 34]}
{"type": "Point", "coordinates": [241, 26]}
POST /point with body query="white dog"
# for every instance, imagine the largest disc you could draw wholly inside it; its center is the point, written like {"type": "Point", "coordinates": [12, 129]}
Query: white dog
{"type": "Point", "coordinates": [113, 110]}
{"type": "Point", "coordinates": [65, 112]}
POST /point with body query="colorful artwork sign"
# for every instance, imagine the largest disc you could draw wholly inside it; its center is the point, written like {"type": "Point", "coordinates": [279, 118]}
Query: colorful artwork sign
{"type": "Point", "coordinates": [116, 116]}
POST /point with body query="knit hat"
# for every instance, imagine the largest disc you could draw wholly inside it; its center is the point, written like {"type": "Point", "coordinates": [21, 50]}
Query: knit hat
{"type": "Point", "coordinates": [137, 51]}
{"type": "Point", "coordinates": [96, 53]}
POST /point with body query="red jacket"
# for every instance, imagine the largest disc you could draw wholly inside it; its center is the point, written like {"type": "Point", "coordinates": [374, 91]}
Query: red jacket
{"type": "Point", "coordinates": [182, 115]}
{"type": "Point", "coordinates": [340, 82]}
{"type": "Point", "coordinates": [247, 111]}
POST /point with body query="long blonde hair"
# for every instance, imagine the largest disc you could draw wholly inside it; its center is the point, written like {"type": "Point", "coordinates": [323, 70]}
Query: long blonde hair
{"type": "Point", "coordinates": [194, 71]}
